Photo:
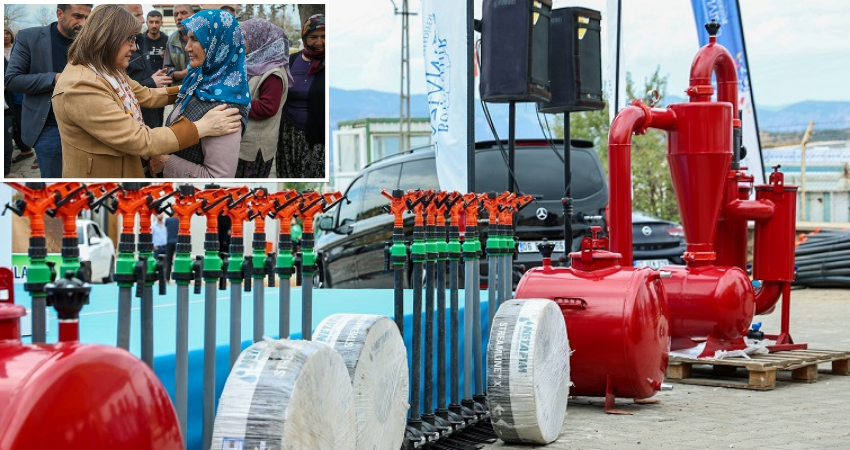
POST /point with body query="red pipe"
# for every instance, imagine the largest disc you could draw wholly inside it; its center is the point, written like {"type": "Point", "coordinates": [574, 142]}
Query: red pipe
{"type": "Point", "coordinates": [632, 119]}
{"type": "Point", "coordinates": [748, 209]}
{"type": "Point", "coordinates": [69, 330]}
{"type": "Point", "coordinates": [767, 296]}
{"type": "Point", "coordinates": [715, 59]}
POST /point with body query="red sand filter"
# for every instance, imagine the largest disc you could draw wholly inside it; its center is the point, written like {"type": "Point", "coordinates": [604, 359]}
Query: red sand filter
{"type": "Point", "coordinates": [616, 318]}
{"type": "Point", "coordinates": [76, 396]}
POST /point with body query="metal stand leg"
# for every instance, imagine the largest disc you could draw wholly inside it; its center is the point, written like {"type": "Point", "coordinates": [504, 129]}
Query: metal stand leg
{"type": "Point", "coordinates": [125, 304]}
{"type": "Point", "coordinates": [235, 321]}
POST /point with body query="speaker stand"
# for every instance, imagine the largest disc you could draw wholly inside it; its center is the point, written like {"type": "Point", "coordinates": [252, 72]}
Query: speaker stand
{"type": "Point", "coordinates": [567, 201]}
{"type": "Point", "coordinates": [511, 146]}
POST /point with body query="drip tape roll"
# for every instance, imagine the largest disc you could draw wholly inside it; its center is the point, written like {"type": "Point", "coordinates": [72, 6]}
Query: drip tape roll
{"type": "Point", "coordinates": [376, 358]}
{"type": "Point", "coordinates": [528, 371]}
{"type": "Point", "coordinates": [286, 395]}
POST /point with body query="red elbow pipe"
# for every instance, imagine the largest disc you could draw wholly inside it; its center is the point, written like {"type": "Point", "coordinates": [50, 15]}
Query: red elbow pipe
{"type": "Point", "coordinates": [767, 296]}
{"type": "Point", "coordinates": [715, 59]}
{"type": "Point", "coordinates": [632, 119]}
{"type": "Point", "coordinates": [748, 209]}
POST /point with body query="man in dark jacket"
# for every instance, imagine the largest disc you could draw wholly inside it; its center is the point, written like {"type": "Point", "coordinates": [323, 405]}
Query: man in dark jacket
{"type": "Point", "coordinates": [140, 69]}
{"type": "Point", "coordinates": [35, 65]}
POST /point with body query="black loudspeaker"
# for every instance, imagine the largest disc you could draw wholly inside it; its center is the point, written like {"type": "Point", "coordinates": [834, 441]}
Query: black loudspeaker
{"type": "Point", "coordinates": [575, 61]}
{"type": "Point", "coordinates": [515, 50]}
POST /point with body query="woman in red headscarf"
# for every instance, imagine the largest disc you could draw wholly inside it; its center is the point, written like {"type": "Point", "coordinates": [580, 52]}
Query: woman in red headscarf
{"type": "Point", "coordinates": [301, 145]}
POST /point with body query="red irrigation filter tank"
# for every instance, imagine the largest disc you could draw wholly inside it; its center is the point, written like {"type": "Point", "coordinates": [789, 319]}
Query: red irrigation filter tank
{"type": "Point", "coordinates": [616, 318]}
{"type": "Point", "coordinates": [708, 302]}
{"type": "Point", "coordinates": [711, 299]}
{"type": "Point", "coordinates": [74, 396]}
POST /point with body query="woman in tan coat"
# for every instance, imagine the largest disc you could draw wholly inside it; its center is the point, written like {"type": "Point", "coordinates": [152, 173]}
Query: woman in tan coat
{"type": "Point", "coordinates": [98, 107]}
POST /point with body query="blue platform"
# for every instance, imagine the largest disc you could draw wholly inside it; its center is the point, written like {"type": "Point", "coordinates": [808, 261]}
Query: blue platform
{"type": "Point", "coordinates": [99, 319]}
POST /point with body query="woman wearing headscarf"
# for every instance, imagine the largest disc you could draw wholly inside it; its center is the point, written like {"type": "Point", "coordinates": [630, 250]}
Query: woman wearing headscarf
{"type": "Point", "coordinates": [301, 146]}
{"type": "Point", "coordinates": [268, 80]}
{"type": "Point", "coordinates": [216, 76]}
{"type": "Point", "coordinates": [98, 109]}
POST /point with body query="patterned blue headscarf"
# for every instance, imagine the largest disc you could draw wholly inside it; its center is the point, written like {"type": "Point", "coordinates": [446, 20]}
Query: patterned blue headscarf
{"type": "Point", "coordinates": [222, 77]}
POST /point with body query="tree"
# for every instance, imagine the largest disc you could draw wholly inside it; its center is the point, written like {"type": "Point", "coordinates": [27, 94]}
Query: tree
{"type": "Point", "coordinates": [652, 184]}
{"type": "Point", "coordinates": [12, 15]}
{"type": "Point", "coordinates": [43, 17]}
{"type": "Point", "coordinates": [305, 11]}
{"type": "Point", "coordinates": [247, 12]}
{"type": "Point", "coordinates": [278, 15]}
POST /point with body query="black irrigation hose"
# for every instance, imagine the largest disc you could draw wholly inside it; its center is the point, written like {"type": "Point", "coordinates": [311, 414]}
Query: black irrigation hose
{"type": "Point", "coordinates": [824, 260]}
{"type": "Point", "coordinates": [838, 264]}
{"type": "Point", "coordinates": [833, 256]}
{"type": "Point", "coordinates": [822, 237]}
{"type": "Point", "coordinates": [829, 246]}
{"type": "Point", "coordinates": [823, 273]}
{"type": "Point", "coordinates": [825, 282]}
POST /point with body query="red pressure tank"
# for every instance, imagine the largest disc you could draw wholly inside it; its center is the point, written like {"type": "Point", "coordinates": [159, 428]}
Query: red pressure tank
{"type": "Point", "coordinates": [73, 396]}
{"type": "Point", "coordinates": [616, 317]}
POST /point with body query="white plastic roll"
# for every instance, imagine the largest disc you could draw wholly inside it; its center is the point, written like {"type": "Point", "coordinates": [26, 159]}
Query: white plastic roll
{"type": "Point", "coordinates": [528, 373]}
{"type": "Point", "coordinates": [286, 395]}
{"type": "Point", "coordinates": [374, 352]}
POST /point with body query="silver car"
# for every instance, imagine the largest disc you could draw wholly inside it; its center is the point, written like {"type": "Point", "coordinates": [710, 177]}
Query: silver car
{"type": "Point", "coordinates": [97, 247]}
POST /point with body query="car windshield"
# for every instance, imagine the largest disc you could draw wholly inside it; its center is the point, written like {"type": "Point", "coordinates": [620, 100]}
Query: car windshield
{"type": "Point", "coordinates": [540, 172]}
{"type": "Point", "coordinates": [80, 236]}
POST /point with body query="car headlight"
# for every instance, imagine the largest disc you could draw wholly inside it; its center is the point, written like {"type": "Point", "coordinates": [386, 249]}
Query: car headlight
{"type": "Point", "coordinates": [676, 231]}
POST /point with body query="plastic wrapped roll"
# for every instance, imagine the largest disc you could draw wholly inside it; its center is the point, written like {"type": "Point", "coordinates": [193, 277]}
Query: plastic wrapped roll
{"type": "Point", "coordinates": [528, 373]}
{"type": "Point", "coordinates": [374, 353]}
{"type": "Point", "coordinates": [286, 395]}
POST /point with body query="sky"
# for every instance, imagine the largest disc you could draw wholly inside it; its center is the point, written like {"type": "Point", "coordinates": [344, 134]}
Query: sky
{"type": "Point", "coordinates": [798, 50]}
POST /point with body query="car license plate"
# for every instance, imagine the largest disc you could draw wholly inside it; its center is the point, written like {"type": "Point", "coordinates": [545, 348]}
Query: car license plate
{"type": "Point", "coordinates": [531, 246]}
{"type": "Point", "coordinates": [652, 263]}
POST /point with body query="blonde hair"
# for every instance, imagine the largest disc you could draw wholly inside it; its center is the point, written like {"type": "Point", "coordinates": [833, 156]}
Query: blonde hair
{"type": "Point", "coordinates": [105, 31]}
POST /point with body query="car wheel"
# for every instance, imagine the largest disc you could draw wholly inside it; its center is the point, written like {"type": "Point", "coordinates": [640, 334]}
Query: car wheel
{"type": "Point", "coordinates": [109, 277]}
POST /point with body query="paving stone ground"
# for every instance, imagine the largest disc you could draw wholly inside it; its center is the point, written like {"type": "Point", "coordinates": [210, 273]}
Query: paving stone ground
{"type": "Point", "coordinates": [792, 416]}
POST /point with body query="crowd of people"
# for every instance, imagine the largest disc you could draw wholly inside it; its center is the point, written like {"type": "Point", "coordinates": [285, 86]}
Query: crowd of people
{"type": "Point", "coordinates": [87, 95]}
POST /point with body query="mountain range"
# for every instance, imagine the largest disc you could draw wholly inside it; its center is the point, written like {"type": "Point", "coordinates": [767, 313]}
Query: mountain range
{"type": "Point", "coordinates": [357, 104]}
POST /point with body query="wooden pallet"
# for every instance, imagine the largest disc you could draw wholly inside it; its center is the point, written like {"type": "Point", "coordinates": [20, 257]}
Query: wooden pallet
{"type": "Point", "coordinates": [760, 370]}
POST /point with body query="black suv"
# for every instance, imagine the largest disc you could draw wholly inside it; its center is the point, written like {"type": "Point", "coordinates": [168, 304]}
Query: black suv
{"type": "Point", "coordinates": [351, 250]}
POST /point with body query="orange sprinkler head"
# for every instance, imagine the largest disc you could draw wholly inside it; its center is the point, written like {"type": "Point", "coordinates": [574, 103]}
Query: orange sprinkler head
{"type": "Point", "coordinates": [72, 198]}
{"type": "Point", "coordinates": [187, 205]}
{"type": "Point", "coordinates": [286, 206]}
{"type": "Point", "coordinates": [38, 198]}
{"type": "Point", "coordinates": [314, 203]}
{"type": "Point", "coordinates": [436, 208]}
{"type": "Point", "coordinates": [455, 207]}
{"type": "Point", "coordinates": [446, 200]}
{"type": "Point", "coordinates": [262, 206]}
{"type": "Point", "coordinates": [237, 209]}
{"type": "Point", "coordinates": [397, 206]}
{"type": "Point", "coordinates": [472, 204]}
{"type": "Point", "coordinates": [214, 202]}
{"type": "Point", "coordinates": [416, 202]}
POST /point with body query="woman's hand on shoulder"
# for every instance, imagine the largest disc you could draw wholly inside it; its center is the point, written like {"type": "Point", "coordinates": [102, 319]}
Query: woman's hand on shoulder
{"type": "Point", "coordinates": [219, 121]}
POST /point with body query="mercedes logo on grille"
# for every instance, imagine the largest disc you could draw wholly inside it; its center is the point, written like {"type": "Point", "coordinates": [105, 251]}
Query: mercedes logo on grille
{"type": "Point", "coordinates": [646, 230]}
{"type": "Point", "coordinates": [542, 214]}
